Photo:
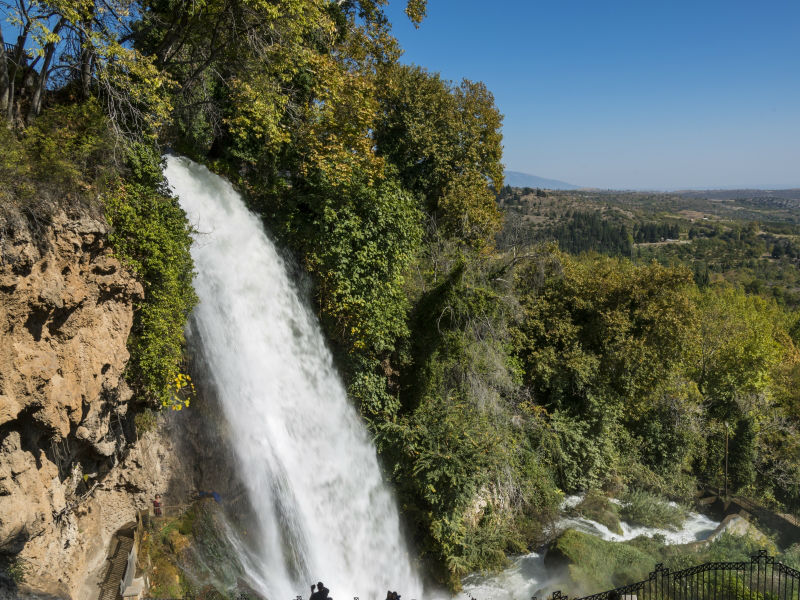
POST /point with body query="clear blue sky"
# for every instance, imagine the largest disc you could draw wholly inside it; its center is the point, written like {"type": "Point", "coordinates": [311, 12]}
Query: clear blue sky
{"type": "Point", "coordinates": [639, 94]}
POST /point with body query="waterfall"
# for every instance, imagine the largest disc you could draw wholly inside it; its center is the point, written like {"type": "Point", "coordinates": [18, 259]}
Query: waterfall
{"type": "Point", "coordinates": [311, 471]}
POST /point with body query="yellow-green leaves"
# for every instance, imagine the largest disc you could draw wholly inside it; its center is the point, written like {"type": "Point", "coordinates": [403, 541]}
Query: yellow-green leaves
{"type": "Point", "coordinates": [445, 142]}
{"type": "Point", "coordinates": [736, 348]}
{"type": "Point", "coordinates": [133, 90]}
{"type": "Point", "coordinates": [256, 125]}
{"type": "Point", "coordinates": [415, 10]}
{"type": "Point", "coordinates": [336, 140]}
{"type": "Point", "coordinates": [468, 210]}
{"type": "Point", "coordinates": [181, 392]}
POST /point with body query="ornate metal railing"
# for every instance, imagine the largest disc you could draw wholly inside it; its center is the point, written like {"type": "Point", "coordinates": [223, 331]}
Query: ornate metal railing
{"type": "Point", "coordinates": [760, 578]}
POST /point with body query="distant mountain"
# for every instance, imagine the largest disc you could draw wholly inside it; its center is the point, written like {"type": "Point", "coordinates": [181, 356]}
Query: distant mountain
{"type": "Point", "coordinates": [517, 179]}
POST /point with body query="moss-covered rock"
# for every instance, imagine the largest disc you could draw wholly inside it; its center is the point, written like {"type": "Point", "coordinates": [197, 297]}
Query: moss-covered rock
{"type": "Point", "coordinates": [597, 507]}
{"type": "Point", "coordinates": [166, 577]}
{"type": "Point", "coordinates": [191, 556]}
{"type": "Point", "coordinates": [596, 565]}
{"type": "Point", "coordinates": [177, 542]}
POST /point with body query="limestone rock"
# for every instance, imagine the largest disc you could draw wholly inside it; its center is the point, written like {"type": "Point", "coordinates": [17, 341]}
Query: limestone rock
{"type": "Point", "coordinates": [24, 506]}
{"type": "Point", "coordinates": [66, 311]}
{"type": "Point", "coordinates": [740, 526]}
{"type": "Point", "coordinates": [68, 560]}
{"type": "Point", "coordinates": [9, 409]}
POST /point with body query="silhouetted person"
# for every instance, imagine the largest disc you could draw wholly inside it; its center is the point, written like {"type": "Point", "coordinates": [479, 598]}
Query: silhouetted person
{"type": "Point", "coordinates": [320, 594]}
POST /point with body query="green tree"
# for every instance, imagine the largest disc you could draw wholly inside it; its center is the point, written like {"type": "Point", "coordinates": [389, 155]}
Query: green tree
{"type": "Point", "coordinates": [735, 350]}
{"type": "Point", "coordinates": [445, 142]}
{"type": "Point", "coordinates": [360, 244]}
{"type": "Point", "coordinates": [599, 341]}
{"type": "Point", "coordinates": [87, 41]}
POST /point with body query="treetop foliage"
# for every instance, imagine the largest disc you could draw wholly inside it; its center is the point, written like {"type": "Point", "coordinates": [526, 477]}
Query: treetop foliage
{"type": "Point", "coordinates": [445, 142]}
{"type": "Point", "coordinates": [81, 48]}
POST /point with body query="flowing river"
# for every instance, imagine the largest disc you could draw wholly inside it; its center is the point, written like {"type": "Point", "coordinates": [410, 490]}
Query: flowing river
{"type": "Point", "coordinates": [309, 465]}
{"type": "Point", "coordinates": [527, 576]}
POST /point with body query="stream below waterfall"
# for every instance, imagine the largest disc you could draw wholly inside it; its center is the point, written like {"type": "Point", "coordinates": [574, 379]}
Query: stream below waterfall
{"type": "Point", "coordinates": [527, 576]}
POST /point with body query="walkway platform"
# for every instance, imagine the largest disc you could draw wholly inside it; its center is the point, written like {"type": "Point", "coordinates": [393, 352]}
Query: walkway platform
{"type": "Point", "coordinates": [118, 562]}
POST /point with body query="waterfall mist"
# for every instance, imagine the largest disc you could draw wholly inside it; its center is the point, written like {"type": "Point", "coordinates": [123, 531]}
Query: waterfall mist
{"type": "Point", "coordinates": [310, 469]}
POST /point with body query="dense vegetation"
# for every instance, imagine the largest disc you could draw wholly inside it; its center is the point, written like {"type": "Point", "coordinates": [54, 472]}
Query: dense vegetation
{"type": "Point", "coordinates": [746, 237]}
{"type": "Point", "coordinates": [494, 376]}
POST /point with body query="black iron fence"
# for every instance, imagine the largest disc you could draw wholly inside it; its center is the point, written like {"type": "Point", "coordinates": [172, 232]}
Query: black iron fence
{"type": "Point", "coordinates": [760, 578]}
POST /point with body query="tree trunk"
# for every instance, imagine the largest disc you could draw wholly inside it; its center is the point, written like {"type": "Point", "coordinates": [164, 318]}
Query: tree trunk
{"type": "Point", "coordinates": [87, 57]}
{"type": "Point", "coordinates": [16, 60]}
{"type": "Point", "coordinates": [41, 83]}
{"type": "Point", "coordinates": [4, 86]}
{"type": "Point", "coordinates": [86, 71]}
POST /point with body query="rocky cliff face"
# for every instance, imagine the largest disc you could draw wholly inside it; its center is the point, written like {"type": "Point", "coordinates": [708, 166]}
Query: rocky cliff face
{"type": "Point", "coordinates": [71, 470]}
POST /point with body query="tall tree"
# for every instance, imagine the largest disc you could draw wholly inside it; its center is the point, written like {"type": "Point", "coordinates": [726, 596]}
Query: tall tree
{"type": "Point", "coordinates": [445, 142]}
{"type": "Point", "coordinates": [63, 42]}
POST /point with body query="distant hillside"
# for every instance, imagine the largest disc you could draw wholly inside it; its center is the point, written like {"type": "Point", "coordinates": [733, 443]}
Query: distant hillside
{"type": "Point", "coordinates": [786, 194]}
{"type": "Point", "coordinates": [517, 179]}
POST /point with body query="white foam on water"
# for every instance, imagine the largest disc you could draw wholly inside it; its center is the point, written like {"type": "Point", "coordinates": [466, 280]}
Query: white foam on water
{"type": "Point", "coordinates": [527, 576]}
{"type": "Point", "coordinates": [696, 527]}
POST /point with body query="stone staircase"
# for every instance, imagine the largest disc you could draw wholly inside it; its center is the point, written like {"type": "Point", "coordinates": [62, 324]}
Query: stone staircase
{"type": "Point", "coordinates": [118, 561]}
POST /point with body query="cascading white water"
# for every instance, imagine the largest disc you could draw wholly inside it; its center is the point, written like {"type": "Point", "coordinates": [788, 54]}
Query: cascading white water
{"type": "Point", "coordinates": [528, 576]}
{"type": "Point", "coordinates": [309, 465]}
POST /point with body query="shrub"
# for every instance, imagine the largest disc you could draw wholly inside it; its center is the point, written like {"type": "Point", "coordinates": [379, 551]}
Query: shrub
{"type": "Point", "coordinates": [57, 161]}
{"type": "Point", "coordinates": [641, 508]}
{"type": "Point", "coordinates": [145, 421]}
{"type": "Point", "coordinates": [596, 565]}
{"type": "Point", "coordinates": [18, 569]}
{"type": "Point", "coordinates": [151, 235]}
{"type": "Point", "coordinates": [791, 557]}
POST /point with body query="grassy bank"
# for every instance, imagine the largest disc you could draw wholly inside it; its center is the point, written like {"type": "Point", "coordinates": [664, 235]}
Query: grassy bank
{"type": "Point", "coordinates": [641, 508]}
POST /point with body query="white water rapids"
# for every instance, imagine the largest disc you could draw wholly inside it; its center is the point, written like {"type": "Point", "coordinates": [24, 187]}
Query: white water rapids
{"type": "Point", "coordinates": [310, 468]}
{"type": "Point", "coordinates": [695, 527]}
{"type": "Point", "coordinates": [527, 576]}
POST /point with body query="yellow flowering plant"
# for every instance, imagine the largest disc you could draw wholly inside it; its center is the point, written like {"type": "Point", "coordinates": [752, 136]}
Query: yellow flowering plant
{"type": "Point", "coordinates": [181, 392]}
